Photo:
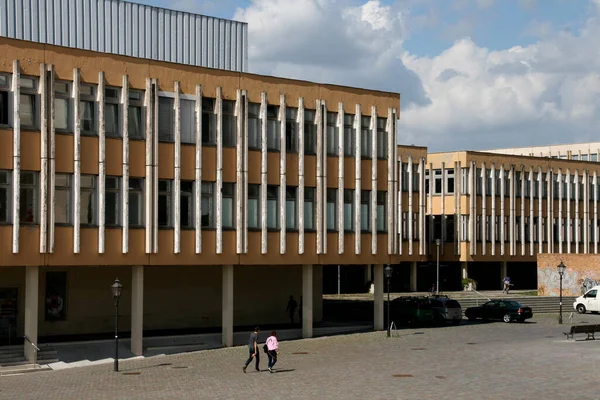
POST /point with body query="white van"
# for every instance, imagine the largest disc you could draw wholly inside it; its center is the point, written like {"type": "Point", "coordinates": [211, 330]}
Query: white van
{"type": "Point", "coordinates": [590, 301]}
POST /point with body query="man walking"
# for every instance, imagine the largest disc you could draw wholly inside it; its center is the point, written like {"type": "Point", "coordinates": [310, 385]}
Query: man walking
{"type": "Point", "coordinates": [253, 349]}
{"type": "Point", "coordinates": [507, 285]}
{"type": "Point", "coordinates": [291, 308]}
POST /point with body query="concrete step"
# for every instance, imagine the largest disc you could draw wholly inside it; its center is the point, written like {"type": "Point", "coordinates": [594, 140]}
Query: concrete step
{"type": "Point", "coordinates": [23, 369]}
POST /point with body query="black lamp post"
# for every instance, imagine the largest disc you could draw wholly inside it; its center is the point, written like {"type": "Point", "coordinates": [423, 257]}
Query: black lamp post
{"type": "Point", "coordinates": [116, 292]}
{"type": "Point", "coordinates": [561, 271]}
{"type": "Point", "coordinates": [388, 274]}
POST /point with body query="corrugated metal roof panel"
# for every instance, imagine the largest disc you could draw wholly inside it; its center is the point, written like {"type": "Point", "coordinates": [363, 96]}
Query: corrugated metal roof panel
{"type": "Point", "coordinates": [136, 30]}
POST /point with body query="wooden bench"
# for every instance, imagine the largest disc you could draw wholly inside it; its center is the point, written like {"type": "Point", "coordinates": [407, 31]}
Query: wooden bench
{"type": "Point", "coordinates": [590, 330]}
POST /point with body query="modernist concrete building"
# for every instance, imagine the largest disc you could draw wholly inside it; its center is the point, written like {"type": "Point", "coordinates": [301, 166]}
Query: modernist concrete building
{"type": "Point", "coordinates": [495, 213]}
{"type": "Point", "coordinates": [574, 151]}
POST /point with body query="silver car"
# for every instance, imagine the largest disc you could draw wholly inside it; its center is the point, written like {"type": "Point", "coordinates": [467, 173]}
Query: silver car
{"type": "Point", "coordinates": [446, 310]}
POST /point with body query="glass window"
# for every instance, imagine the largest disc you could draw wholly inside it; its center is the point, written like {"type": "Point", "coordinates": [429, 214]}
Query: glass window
{"type": "Point", "coordinates": [437, 180]}
{"type": "Point", "coordinates": [87, 109]}
{"type": "Point", "coordinates": [381, 211]}
{"type": "Point", "coordinates": [450, 181]}
{"type": "Point", "coordinates": [309, 207]}
{"type": "Point", "coordinates": [254, 134]}
{"type": "Point", "coordinates": [349, 135]}
{"type": "Point", "coordinates": [28, 198]}
{"type": "Point", "coordinates": [5, 194]}
{"type": "Point", "coordinates": [4, 99]}
{"type": "Point", "coordinates": [112, 208]}
{"type": "Point", "coordinates": [207, 204]}
{"type": "Point", "coordinates": [186, 204]}
{"type": "Point", "coordinates": [87, 200]}
{"type": "Point", "coordinates": [272, 207]}
{"type": "Point", "coordinates": [164, 203]}
{"type": "Point", "coordinates": [209, 121]}
{"type": "Point", "coordinates": [62, 196]}
{"type": "Point", "coordinates": [136, 202]}
{"type": "Point", "coordinates": [310, 132]}
{"type": "Point", "coordinates": [365, 137]}
{"type": "Point", "coordinates": [273, 128]}
{"type": "Point", "coordinates": [111, 112]}
{"type": "Point", "coordinates": [253, 206]}
{"type": "Point", "coordinates": [575, 157]}
{"type": "Point", "coordinates": [584, 157]}
{"type": "Point", "coordinates": [348, 209]}
{"type": "Point", "coordinates": [62, 106]}
{"type": "Point", "coordinates": [382, 138]}
{"type": "Point", "coordinates": [166, 119]}
{"type": "Point", "coordinates": [594, 157]}
{"type": "Point", "coordinates": [229, 123]}
{"type": "Point", "coordinates": [28, 102]}
{"type": "Point", "coordinates": [291, 130]}
{"type": "Point", "coordinates": [188, 121]}
{"type": "Point", "coordinates": [332, 134]}
{"type": "Point", "coordinates": [365, 210]}
{"type": "Point", "coordinates": [290, 207]}
{"type": "Point", "coordinates": [135, 117]}
{"type": "Point", "coordinates": [227, 210]}
{"type": "Point", "coordinates": [331, 209]}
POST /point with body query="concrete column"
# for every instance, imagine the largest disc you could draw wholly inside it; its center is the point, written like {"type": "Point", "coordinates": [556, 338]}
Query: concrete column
{"type": "Point", "coordinates": [32, 279]}
{"type": "Point", "coordinates": [227, 312]}
{"type": "Point", "coordinates": [368, 274]}
{"type": "Point", "coordinates": [464, 270]}
{"type": "Point", "coordinates": [503, 273]}
{"type": "Point", "coordinates": [307, 301]}
{"type": "Point", "coordinates": [137, 309]}
{"type": "Point", "coordinates": [413, 276]}
{"type": "Point", "coordinates": [378, 298]}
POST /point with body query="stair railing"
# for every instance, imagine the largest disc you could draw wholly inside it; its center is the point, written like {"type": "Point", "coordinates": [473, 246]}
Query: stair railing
{"type": "Point", "coordinates": [35, 351]}
{"type": "Point", "coordinates": [477, 299]}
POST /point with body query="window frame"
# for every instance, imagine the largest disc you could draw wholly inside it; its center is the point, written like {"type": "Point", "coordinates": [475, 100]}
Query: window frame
{"type": "Point", "coordinates": [117, 190]}
{"type": "Point", "coordinates": [291, 197]}
{"type": "Point", "coordinates": [332, 132]}
{"type": "Point", "coordinates": [68, 98]}
{"type": "Point", "coordinates": [381, 201]}
{"type": "Point", "coordinates": [310, 132]}
{"type": "Point", "coordinates": [270, 197]}
{"type": "Point", "coordinates": [5, 88]}
{"type": "Point", "coordinates": [113, 101]}
{"type": "Point", "coordinates": [365, 199]}
{"type": "Point", "coordinates": [136, 103]}
{"type": "Point", "coordinates": [366, 138]}
{"type": "Point", "coordinates": [7, 185]}
{"type": "Point", "coordinates": [310, 195]}
{"type": "Point", "coordinates": [168, 137]}
{"type": "Point", "coordinates": [349, 194]}
{"type": "Point", "coordinates": [187, 99]}
{"type": "Point", "coordinates": [69, 197]}
{"type": "Point", "coordinates": [291, 135]}
{"type": "Point", "coordinates": [273, 137]}
{"type": "Point", "coordinates": [168, 195]}
{"type": "Point", "coordinates": [187, 195]}
{"type": "Point", "coordinates": [254, 195]}
{"type": "Point", "coordinates": [209, 131]}
{"type": "Point", "coordinates": [228, 139]}
{"type": "Point", "coordinates": [228, 192]}
{"type": "Point", "coordinates": [254, 114]}
{"type": "Point", "coordinates": [349, 144]}
{"type": "Point", "coordinates": [93, 190]}
{"type": "Point", "coordinates": [35, 103]}
{"type": "Point", "coordinates": [136, 192]}
{"type": "Point", "coordinates": [208, 194]}
{"type": "Point", "coordinates": [382, 139]}
{"type": "Point", "coordinates": [88, 98]}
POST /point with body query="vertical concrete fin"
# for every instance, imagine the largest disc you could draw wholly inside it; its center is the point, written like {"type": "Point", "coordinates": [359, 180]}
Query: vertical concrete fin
{"type": "Point", "coordinates": [125, 168]}
{"type": "Point", "coordinates": [148, 184]}
{"type": "Point", "coordinates": [198, 172]}
{"type": "Point", "coordinates": [357, 179]}
{"type": "Point", "coordinates": [340, 193]}
{"type": "Point", "coordinates": [502, 210]}
{"type": "Point", "coordinates": [239, 172]}
{"type": "Point", "coordinates": [52, 162]}
{"type": "Point", "coordinates": [493, 217]}
{"type": "Point", "coordinates": [155, 168]}
{"type": "Point", "coordinates": [595, 212]}
{"type": "Point", "coordinates": [301, 166]}
{"type": "Point", "coordinates": [177, 170]}
{"type": "Point", "coordinates": [282, 174]}
{"type": "Point", "coordinates": [443, 207]}
{"type": "Point", "coordinates": [219, 183]}
{"type": "Point", "coordinates": [540, 212]}
{"type": "Point", "coordinates": [560, 210]}
{"type": "Point", "coordinates": [319, 189]}
{"type": "Point", "coordinates": [409, 221]}
{"type": "Point", "coordinates": [16, 175]}
{"type": "Point", "coordinates": [76, 162]}
{"type": "Point", "coordinates": [263, 173]}
{"type": "Point", "coordinates": [43, 179]}
{"type": "Point", "coordinates": [101, 163]}
{"type": "Point", "coordinates": [484, 216]}
{"type": "Point", "coordinates": [531, 213]}
{"type": "Point", "coordinates": [374, 181]}
{"type": "Point", "coordinates": [245, 169]}
{"type": "Point", "coordinates": [401, 230]}
{"type": "Point", "coordinates": [422, 206]}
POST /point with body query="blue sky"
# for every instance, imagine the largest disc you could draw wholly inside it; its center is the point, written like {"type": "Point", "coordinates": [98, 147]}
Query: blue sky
{"type": "Point", "coordinates": [472, 74]}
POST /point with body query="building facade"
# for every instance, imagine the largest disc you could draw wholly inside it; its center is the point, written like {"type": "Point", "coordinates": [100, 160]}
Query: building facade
{"type": "Point", "coordinates": [575, 151]}
{"type": "Point", "coordinates": [177, 178]}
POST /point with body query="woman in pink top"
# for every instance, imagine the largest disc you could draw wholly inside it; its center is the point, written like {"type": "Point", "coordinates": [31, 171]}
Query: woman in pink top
{"type": "Point", "coordinates": [273, 350]}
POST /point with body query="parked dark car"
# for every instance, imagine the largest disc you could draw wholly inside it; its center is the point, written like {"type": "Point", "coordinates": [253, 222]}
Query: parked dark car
{"type": "Point", "coordinates": [411, 310]}
{"type": "Point", "coordinates": [446, 310]}
{"type": "Point", "coordinates": [505, 310]}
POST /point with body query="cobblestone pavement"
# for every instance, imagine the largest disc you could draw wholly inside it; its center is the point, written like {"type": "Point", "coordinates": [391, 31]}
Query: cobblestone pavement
{"type": "Point", "coordinates": [472, 361]}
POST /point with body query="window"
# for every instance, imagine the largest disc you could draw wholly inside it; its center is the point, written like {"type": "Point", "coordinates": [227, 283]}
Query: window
{"type": "Point", "coordinates": [28, 102]}
{"type": "Point", "coordinates": [584, 157]}
{"type": "Point", "coordinates": [591, 294]}
{"type": "Point", "coordinates": [594, 157]}
{"type": "Point", "coordinates": [164, 203]}
{"type": "Point", "coordinates": [207, 204]}
{"type": "Point", "coordinates": [349, 135]}
{"type": "Point", "coordinates": [405, 177]}
{"type": "Point", "coordinates": [187, 114]}
{"type": "Point", "coordinates": [209, 122]}
{"type": "Point", "coordinates": [112, 187]}
{"type": "Point", "coordinates": [478, 181]}
{"type": "Point", "coordinates": [331, 209]}
{"type": "Point", "coordinates": [166, 118]}
{"type": "Point", "coordinates": [87, 205]}
{"type": "Point", "coordinates": [136, 202]}
{"type": "Point", "coordinates": [272, 207]}
{"type": "Point", "coordinates": [62, 106]}
{"type": "Point", "coordinates": [575, 157]}
{"type": "Point", "coordinates": [437, 181]}
{"type": "Point", "coordinates": [111, 112]}
{"type": "Point", "coordinates": [464, 182]}
{"type": "Point", "coordinates": [62, 196]}
{"type": "Point", "coordinates": [332, 134]}
{"type": "Point", "coordinates": [254, 134]}
{"type": "Point", "coordinates": [291, 130]}
{"type": "Point", "coordinates": [273, 128]}
{"type": "Point", "coordinates": [87, 109]}
{"type": "Point", "coordinates": [382, 150]}
{"type": "Point", "coordinates": [348, 209]}
{"type": "Point", "coordinates": [310, 132]}
{"type": "Point", "coordinates": [228, 126]}
{"type": "Point", "coordinates": [365, 210]}
{"type": "Point", "coordinates": [186, 204]}
{"type": "Point", "coordinates": [365, 137]}
{"type": "Point", "coordinates": [290, 207]}
{"type": "Point", "coordinates": [381, 211]}
{"type": "Point", "coordinates": [253, 206]}
{"type": "Point", "coordinates": [309, 207]}
{"type": "Point", "coordinates": [28, 198]}
{"type": "Point", "coordinates": [5, 184]}
{"type": "Point", "coordinates": [228, 192]}
{"type": "Point", "coordinates": [450, 181]}
{"type": "Point", "coordinates": [4, 98]}
{"type": "Point", "coordinates": [135, 117]}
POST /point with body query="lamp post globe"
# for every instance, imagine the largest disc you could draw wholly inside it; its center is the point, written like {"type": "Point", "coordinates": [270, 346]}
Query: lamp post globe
{"type": "Point", "coordinates": [116, 288]}
{"type": "Point", "coordinates": [561, 271]}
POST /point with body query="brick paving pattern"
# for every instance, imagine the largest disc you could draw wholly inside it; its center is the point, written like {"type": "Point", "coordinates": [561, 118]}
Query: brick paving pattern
{"type": "Point", "coordinates": [471, 361]}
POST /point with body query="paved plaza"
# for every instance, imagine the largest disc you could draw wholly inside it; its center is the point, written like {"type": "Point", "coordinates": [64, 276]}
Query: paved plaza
{"type": "Point", "coordinates": [472, 361]}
